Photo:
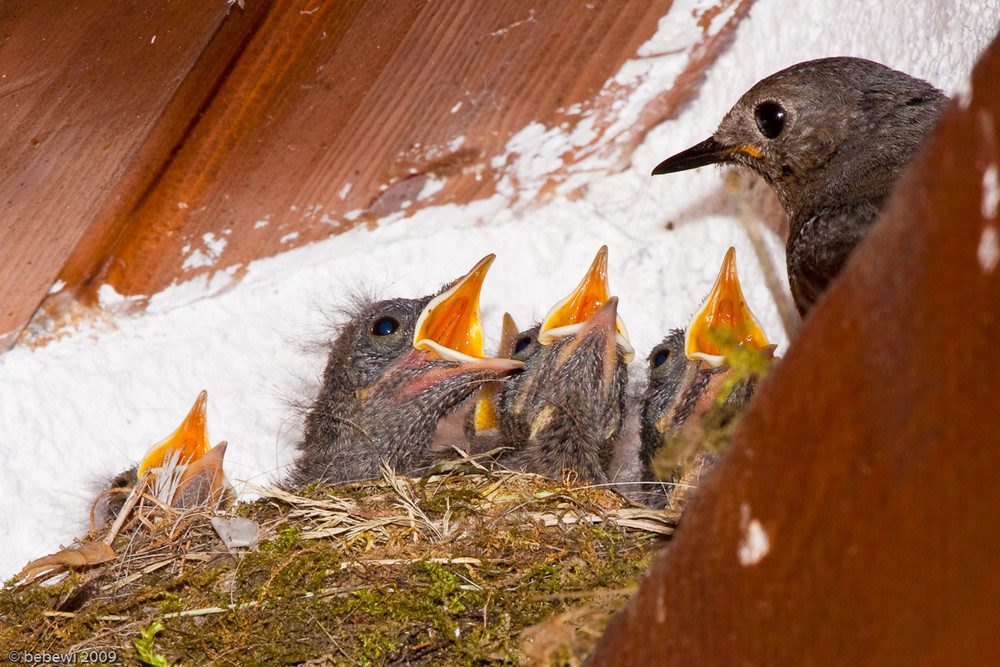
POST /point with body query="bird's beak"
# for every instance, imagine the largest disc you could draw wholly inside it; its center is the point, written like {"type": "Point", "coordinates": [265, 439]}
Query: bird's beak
{"type": "Point", "coordinates": [710, 151]}
{"type": "Point", "coordinates": [188, 443]}
{"type": "Point", "coordinates": [602, 326]}
{"type": "Point", "coordinates": [508, 337]}
{"type": "Point", "coordinates": [450, 325]}
{"type": "Point", "coordinates": [185, 456]}
{"type": "Point", "coordinates": [607, 322]}
{"type": "Point", "coordinates": [723, 317]}
{"type": "Point", "coordinates": [569, 315]}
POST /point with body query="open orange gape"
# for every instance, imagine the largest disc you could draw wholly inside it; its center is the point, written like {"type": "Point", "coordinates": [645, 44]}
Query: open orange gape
{"type": "Point", "coordinates": [182, 470]}
{"type": "Point", "coordinates": [724, 320]}
{"type": "Point", "coordinates": [451, 326]}
{"type": "Point", "coordinates": [568, 316]}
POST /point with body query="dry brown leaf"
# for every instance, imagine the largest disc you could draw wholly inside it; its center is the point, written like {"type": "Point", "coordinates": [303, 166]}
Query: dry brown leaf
{"type": "Point", "coordinates": [88, 553]}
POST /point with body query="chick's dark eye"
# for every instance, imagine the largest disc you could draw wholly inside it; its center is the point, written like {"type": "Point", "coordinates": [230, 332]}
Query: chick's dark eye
{"type": "Point", "coordinates": [521, 343]}
{"type": "Point", "coordinates": [770, 117]}
{"type": "Point", "coordinates": [660, 358]}
{"type": "Point", "coordinates": [385, 326]}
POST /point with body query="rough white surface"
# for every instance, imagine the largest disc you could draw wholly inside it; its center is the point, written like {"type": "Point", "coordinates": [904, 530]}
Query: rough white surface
{"type": "Point", "coordinates": [207, 257]}
{"type": "Point", "coordinates": [81, 409]}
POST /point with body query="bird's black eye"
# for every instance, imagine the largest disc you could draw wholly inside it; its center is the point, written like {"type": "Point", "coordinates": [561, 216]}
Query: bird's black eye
{"type": "Point", "coordinates": [385, 326]}
{"type": "Point", "coordinates": [660, 358]}
{"type": "Point", "coordinates": [770, 117]}
{"type": "Point", "coordinates": [521, 343]}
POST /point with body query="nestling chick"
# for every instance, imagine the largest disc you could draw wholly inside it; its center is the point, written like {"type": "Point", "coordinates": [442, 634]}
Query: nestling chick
{"type": "Point", "coordinates": [396, 368]}
{"type": "Point", "coordinates": [181, 471]}
{"type": "Point", "coordinates": [564, 410]}
{"type": "Point", "coordinates": [692, 395]}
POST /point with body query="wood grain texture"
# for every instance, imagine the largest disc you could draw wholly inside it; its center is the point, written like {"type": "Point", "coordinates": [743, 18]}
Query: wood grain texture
{"type": "Point", "coordinates": [868, 462]}
{"type": "Point", "coordinates": [293, 121]}
{"type": "Point", "coordinates": [343, 107]}
{"type": "Point", "coordinates": [82, 86]}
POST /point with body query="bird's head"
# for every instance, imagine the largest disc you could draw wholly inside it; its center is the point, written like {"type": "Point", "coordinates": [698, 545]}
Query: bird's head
{"type": "Point", "coordinates": [183, 471]}
{"type": "Point", "coordinates": [581, 331]}
{"type": "Point", "coordinates": [396, 369]}
{"type": "Point", "coordinates": [571, 313]}
{"type": "Point", "coordinates": [834, 124]}
{"type": "Point", "coordinates": [568, 401]}
{"type": "Point", "coordinates": [402, 348]}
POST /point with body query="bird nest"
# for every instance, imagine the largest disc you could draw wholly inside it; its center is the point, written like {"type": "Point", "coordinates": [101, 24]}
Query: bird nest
{"type": "Point", "coordinates": [466, 564]}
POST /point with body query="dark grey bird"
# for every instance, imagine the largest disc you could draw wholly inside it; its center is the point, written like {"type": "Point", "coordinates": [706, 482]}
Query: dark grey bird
{"type": "Point", "coordinates": [395, 369]}
{"type": "Point", "coordinates": [677, 389]}
{"type": "Point", "coordinates": [563, 412]}
{"type": "Point", "coordinates": [831, 137]}
{"type": "Point", "coordinates": [692, 392]}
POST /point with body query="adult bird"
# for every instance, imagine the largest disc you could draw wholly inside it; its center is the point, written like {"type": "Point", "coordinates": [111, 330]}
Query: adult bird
{"type": "Point", "coordinates": [830, 137]}
{"type": "Point", "coordinates": [563, 412]}
{"type": "Point", "coordinates": [395, 369]}
{"type": "Point", "coordinates": [693, 392]}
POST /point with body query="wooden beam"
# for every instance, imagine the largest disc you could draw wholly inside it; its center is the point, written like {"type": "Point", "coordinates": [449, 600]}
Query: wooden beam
{"type": "Point", "coordinates": [289, 122]}
{"type": "Point", "coordinates": [338, 113]}
{"type": "Point", "coordinates": [82, 88]}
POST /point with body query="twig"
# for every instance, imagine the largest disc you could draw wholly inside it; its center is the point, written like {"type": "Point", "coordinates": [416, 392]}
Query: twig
{"type": "Point", "coordinates": [460, 560]}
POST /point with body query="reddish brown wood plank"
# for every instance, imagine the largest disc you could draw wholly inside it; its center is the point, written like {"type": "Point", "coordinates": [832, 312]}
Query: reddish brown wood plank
{"type": "Point", "coordinates": [194, 92]}
{"type": "Point", "coordinates": [288, 113]}
{"type": "Point", "coordinates": [869, 461]}
{"type": "Point", "coordinates": [340, 107]}
{"type": "Point", "coordinates": [82, 86]}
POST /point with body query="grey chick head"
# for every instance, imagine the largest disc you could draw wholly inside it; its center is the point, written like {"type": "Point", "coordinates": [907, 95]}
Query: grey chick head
{"type": "Point", "coordinates": [396, 368]}
{"type": "Point", "coordinates": [831, 137]}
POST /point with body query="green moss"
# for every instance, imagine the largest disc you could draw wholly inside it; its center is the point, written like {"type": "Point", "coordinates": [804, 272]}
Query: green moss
{"type": "Point", "coordinates": [171, 603]}
{"type": "Point", "coordinates": [294, 600]}
{"type": "Point", "coordinates": [542, 577]}
{"type": "Point", "coordinates": [372, 647]}
{"type": "Point", "coordinates": [445, 586]}
{"type": "Point", "coordinates": [287, 539]}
